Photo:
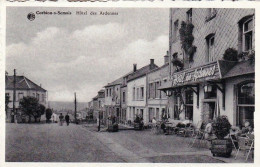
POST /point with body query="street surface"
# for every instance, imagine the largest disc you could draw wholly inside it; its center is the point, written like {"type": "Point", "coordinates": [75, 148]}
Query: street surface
{"type": "Point", "coordinates": [82, 143]}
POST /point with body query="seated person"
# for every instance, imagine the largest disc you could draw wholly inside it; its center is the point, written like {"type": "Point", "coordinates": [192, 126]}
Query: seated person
{"type": "Point", "coordinates": [163, 127]}
{"type": "Point", "coordinates": [247, 129]}
{"type": "Point", "coordinates": [209, 131]}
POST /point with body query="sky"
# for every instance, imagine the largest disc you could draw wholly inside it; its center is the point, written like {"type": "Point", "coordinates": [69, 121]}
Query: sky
{"type": "Point", "coordinates": [82, 53]}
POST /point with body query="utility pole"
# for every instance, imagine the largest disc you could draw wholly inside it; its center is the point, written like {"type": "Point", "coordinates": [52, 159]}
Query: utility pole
{"type": "Point", "coordinates": [14, 98]}
{"type": "Point", "coordinates": [75, 108]}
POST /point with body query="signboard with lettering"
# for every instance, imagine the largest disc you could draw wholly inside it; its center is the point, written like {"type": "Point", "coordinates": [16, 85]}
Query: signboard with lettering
{"type": "Point", "coordinates": [195, 75]}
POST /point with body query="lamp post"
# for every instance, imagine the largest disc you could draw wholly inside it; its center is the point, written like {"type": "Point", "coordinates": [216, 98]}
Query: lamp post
{"type": "Point", "coordinates": [75, 113]}
{"type": "Point", "coordinates": [207, 88]}
{"type": "Point", "coordinates": [14, 97]}
{"type": "Point", "coordinates": [168, 93]}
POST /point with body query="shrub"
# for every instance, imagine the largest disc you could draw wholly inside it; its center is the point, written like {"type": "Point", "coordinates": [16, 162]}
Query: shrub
{"type": "Point", "coordinates": [221, 126]}
{"type": "Point", "coordinates": [48, 114]}
{"type": "Point", "coordinates": [230, 54]}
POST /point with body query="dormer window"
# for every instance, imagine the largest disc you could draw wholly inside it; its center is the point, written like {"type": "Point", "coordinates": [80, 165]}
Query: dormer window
{"type": "Point", "coordinates": [189, 15]}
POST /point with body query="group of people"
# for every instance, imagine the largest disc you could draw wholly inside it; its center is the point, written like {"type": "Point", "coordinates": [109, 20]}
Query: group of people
{"type": "Point", "coordinates": [67, 119]}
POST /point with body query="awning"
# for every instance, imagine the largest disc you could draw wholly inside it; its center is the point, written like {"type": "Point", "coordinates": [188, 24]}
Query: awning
{"type": "Point", "coordinates": [241, 68]}
{"type": "Point", "coordinates": [213, 71]}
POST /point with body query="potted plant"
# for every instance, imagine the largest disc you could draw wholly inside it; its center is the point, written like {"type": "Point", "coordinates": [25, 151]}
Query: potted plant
{"type": "Point", "coordinates": [113, 126]}
{"type": "Point", "coordinates": [230, 54]}
{"type": "Point", "coordinates": [221, 128]}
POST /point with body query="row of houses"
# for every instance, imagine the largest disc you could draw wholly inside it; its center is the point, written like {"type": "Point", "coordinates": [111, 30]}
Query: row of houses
{"type": "Point", "coordinates": [208, 70]}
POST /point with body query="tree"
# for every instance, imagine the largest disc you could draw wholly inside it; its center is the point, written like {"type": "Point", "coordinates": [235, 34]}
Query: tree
{"type": "Point", "coordinates": [31, 107]}
{"type": "Point", "coordinates": [48, 114]}
{"type": "Point", "coordinates": [7, 101]}
{"type": "Point", "coordinates": [41, 111]}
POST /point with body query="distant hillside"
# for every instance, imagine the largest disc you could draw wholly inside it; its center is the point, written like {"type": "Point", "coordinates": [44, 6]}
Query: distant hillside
{"type": "Point", "coordinates": [62, 105]}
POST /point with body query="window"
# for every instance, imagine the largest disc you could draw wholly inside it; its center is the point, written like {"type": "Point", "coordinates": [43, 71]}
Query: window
{"type": "Point", "coordinates": [110, 92]}
{"type": "Point", "coordinates": [151, 91]}
{"type": "Point", "coordinates": [157, 91]}
{"type": "Point", "coordinates": [142, 93]}
{"type": "Point", "coordinates": [38, 96]}
{"type": "Point", "coordinates": [107, 92]}
{"type": "Point", "coordinates": [189, 15]}
{"type": "Point", "coordinates": [20, 96]}
{"type": "Point", "coordinates": [210, 47]}
{"type": "Point", "coordinates": [247, 35]}
{"type": "Point", "coordinates": [189, 104]}
{"type": "Point", "coordinates": [137, 94]}
{"type": "Point", "coordinates": [123, 97]}
{"type": "Point", "coordinates": [133, 93]}
{"type": "Point", "coordinates": [245, 40]}
{"type": "Point", "coordinates": [175, 30]}
{"type": "Point", "coordinates": [157, 114]}
{"type": "Point", "coordinates": [176, 107]}
{"type": "Point", "coordinates": [245, 103]}
{"type": "Point", "coordinates": [42, 97]}
{"type": "Point", "coordinates": [163, 94]}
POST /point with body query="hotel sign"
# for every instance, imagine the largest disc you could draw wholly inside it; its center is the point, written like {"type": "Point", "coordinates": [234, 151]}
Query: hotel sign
{"type": "Point", "coordinates": [195, 75]}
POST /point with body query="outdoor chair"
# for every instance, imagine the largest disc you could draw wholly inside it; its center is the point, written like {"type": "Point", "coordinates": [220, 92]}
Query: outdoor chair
{"type": "Point", "coordinates": [245, 144]}
{"type": "Point", "coordinates": [198, 134]}
{"type": "Point", "coordinates": [186, 130]}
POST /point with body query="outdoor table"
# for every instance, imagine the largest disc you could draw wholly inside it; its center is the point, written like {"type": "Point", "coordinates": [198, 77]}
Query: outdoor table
{"type": "Point", "coordinates": [170, 128]}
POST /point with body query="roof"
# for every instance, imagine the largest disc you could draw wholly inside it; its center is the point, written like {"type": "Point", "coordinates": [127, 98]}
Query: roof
{"type": "Point", "coordinates": [156, 69]}
{"type": "Point", "coordinates": [101, 91]}
{"type": "Point", "coordinates": [241, 68]}
{"type": "Point", "coordinates": [116, 82]}
{"type": "Point", "coordinates": [95, 98]}
{"type": "Point", "coordinates": [22, 83]}
{"type": "Point", "coordinates": [141, 72]}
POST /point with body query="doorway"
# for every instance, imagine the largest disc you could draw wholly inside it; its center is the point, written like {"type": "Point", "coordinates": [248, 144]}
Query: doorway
{"type": "Point", "coordinates": [208, 111]}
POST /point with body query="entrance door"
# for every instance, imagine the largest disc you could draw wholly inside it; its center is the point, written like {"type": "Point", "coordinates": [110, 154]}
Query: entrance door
{"type": "Point", "coordinates": [208, 111]}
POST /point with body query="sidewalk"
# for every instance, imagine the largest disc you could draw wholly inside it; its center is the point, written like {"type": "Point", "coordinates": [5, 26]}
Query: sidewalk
{"type": "Point", "coordinates": [144, 146]}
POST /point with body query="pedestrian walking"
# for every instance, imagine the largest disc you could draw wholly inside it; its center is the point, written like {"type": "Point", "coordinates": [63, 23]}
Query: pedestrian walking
{"type": "Point", "coordinates": [61, 119]}
{"type": "Point", "coordinates": [67, 119]}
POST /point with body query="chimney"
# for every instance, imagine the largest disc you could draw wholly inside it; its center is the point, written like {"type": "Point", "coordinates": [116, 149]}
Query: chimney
{"type": "Point", "coordinates": [135, 67]}
{"type": "Point", "coordinates": [151, 61]}
{"type": "Point", "coordinates": [166, 58]}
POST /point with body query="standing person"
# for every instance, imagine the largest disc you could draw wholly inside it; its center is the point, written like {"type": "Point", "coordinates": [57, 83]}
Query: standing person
{"type": "Point", "coordinates": [67, 119]}
{"type": "Point", "coordinates": [61, 119]}
{"type": "Point", "coordinates": [154, 125]}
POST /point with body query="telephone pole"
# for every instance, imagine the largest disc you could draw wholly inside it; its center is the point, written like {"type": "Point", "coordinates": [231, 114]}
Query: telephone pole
{"type": "Point", "coordinates": [14, 98]}
{"type": "Point", "coordinates": [75, 114]}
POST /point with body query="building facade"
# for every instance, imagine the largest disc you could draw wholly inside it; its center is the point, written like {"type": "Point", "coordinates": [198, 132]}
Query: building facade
{"type": "Point", "coordinates": [112, 99]}
{"type": "Point", "coordinates": [214, 73]}
{"type": "Point", "coordinates": [157, 101]}
{"type": "Point", "coordinates": [136, 93]}
{"type": "Point", "coordinates": [24, 88]}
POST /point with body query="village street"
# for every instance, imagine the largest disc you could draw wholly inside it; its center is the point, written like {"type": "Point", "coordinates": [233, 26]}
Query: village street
{"type": "Point", "coordinates": [81, 143]}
